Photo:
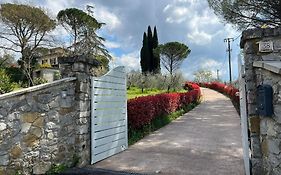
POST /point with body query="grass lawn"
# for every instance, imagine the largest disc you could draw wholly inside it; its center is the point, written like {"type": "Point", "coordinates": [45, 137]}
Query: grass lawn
{"type": "Point", "coordinates": [134, 92]}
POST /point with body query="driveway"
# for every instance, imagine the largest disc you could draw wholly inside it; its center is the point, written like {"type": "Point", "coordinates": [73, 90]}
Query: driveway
{"type": "Point", "coordinates": [207, 140]}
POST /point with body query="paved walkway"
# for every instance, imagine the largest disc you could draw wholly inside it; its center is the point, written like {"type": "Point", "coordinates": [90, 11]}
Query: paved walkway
{"type": "Point", "coordinates": [207, 140]}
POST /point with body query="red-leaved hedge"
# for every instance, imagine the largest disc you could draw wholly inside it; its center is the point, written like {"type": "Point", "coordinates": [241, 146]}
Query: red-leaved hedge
{"type": "Point", "coordinates": [142, 110]}
{"type": "Point", "coordinates": [229, 90]}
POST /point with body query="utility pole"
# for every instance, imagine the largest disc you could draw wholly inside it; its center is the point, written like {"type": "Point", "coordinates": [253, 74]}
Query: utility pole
{"type": "Point", "coordinates": [228, 40]}
{"type": "Point", "coordinates": [218, 75]}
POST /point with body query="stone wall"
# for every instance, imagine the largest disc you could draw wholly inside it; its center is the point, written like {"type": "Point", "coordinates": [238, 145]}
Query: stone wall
{"type": "Point", "coordinates": [262, 67]}
{"type": "Point", "coordinates": [48, 124]}
{"type": "Point", "coordinates": [37, 128]}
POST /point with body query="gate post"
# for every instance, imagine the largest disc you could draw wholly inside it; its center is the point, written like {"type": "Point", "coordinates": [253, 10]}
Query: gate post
{"type": "Point", "coordinates": [262, 57]}
{"type": "Point", "coordinates": [80, 67]}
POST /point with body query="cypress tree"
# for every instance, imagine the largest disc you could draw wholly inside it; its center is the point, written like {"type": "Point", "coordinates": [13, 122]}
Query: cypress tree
{"type": "Point", "coordinates": [144, 55]}
{"type": "Point", "coordinates": [156, 57]}
{"type": "Point", "coordinates": [150, 48]}
{"type": "Point", "coordinates": [149, 61]}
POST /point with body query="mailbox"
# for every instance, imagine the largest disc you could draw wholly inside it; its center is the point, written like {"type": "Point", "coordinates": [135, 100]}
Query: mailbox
{"type": "Point", "coordinates": [265, 100]}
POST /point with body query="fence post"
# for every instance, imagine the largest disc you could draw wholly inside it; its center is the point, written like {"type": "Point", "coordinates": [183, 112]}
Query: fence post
{"type": "Point", "coordinates": [80, 67]}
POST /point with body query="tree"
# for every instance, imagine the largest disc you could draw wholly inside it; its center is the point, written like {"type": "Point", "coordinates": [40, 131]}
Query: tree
{"type": "Point", "coordinates": [172, 55]}
{"type": "Point", "coordinates": [248, 13]}
{"type": "Point", "coordinates": [156, 57]}
{"type": "Point", "coordinates": [24, 28]}
{"type": "Point", "coordinates": [5, 82]}
{"type": "Point", "coordinates": [150, 49]}
{"type": "Point", "coordinates": [144, 55]}
{"type": "Point", "coordinates": [82, 27]}
{"type": "Point", "coordinates": [7, 60]}
{"type": "Point", "coordinates": [150, 62]}
{"type": "Point", "coordinates": [203, 76]}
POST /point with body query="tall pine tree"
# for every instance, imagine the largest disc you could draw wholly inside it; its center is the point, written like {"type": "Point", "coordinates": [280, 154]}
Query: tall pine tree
{"type": "Point", "coordinates": [150, 62]}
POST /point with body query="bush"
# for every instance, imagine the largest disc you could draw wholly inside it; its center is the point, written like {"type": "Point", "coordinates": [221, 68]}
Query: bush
{"type": "Point", "coordinates": [142, 110]}
{"type": "Point", "coordinates": [15, 74]}
{"type": "Point", "coordinates": [39, 80]}
{"type": "Point", "coordinates": [45, 65]}
{"type": "Point", "coordinates": [5, 82]}
{"type": "Point", "coordinates": [154, 81]}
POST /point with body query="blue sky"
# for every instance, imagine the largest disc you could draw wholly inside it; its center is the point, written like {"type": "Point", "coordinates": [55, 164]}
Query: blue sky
{"type": "Point", "coordinates": [187, 21]}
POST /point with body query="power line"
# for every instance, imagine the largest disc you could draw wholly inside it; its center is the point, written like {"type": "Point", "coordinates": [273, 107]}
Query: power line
{"type": "Point", "coordinates": [228, 41]}
{"type": "Point", "coordinates": [237, 37]}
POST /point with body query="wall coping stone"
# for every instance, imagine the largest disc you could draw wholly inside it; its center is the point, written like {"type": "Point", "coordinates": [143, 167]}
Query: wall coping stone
{"type": "Point", "coordinates": [259, 33]}
{"type": "Point", "coordinates": [36, 88]}
{"type": "Point", "coordinates": [273, 66]}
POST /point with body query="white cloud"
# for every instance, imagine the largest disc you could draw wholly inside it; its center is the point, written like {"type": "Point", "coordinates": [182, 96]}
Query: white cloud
{"type": "Point", "coordinates": [55, 6]}
{"type": "Point", "coordinates": [104, 15]}
{"type": "Point", "coordinates": [211, 64]}
{"type": "Point", "coordinates": [112, 44]}
{"type": "Point", "coordinates": [200, 38]}
{"type": "Point", "coordinates": [177, 14]}
{"type": "Point", "coordinates": [130, 61]}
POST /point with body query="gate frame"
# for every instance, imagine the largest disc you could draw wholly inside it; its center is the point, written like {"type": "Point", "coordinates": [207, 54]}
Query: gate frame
{"type": "Point", "coordinates": [123, 147]}
{"type": "Point", "coordinates": [244, 116]}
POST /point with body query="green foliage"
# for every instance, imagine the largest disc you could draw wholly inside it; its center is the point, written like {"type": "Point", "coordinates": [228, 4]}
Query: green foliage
{"type": "Point", "coordinates": [15, 74]}
{"type": "Point", "coordinates": [75, 160]}
{"type": "Point", "coordinates": [150, 63]}
{"type": "Point", "coordinates": [172, 55]}
{"type": "Point", "coordinates": [134, 92]}
{"type": "Point", "coordinates": [77, 21]}
{"type": "Point", "coordinates": [6, 60]}
{"type": "Point", "coordinates": [157, 123]}
{"type": "Point", "coordinates": [248, 13]}
{"type": "Point", "coordinates": [82, 27]}
{"type": "Point", "coordinates": [26, 18]}
{"type": "Point", "coordinates": [156, 57]}
{"type": "Point", "coordinates": [56, 169]}
{"type": "Point", "coordinates": [39, 80]}
{"type": "Point", "coordinates": [57, 75]}
{"type": "Point", "coordinates": [103, 61]}
{"type": "Point", "coordinates": [29, 25]}
{"type": "Point", "coordinates": [5, 82]}
{"type": "Point", "coordinates": [145, 57]}
{"type": "Point", "coordinates": [147, 82]}
{"type": "Point", "coordinates": [45, 65]}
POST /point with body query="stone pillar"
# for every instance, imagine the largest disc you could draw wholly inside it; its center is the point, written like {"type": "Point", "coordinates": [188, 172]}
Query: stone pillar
{"type": "Point", "coordinates": [80, 67]}
{"type": "Point", "coordinates": [261, 139]}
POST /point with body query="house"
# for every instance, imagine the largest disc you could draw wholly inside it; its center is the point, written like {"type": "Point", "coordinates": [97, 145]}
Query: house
{"type": "Point", "coordinates": [50, 56]}
{"type": "Point", "coordinates": [48, 66]}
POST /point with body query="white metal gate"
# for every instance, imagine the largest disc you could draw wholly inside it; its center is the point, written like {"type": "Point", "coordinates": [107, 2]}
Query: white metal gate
{"type": "Point", "coordinates": [244, 116]}
{"type": "Point", "coordinates": [109, 115]}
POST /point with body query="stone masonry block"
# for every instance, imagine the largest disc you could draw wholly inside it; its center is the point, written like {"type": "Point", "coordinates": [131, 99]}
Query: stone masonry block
{"type": "Point", "coordinates": [78, 67]}
{"type": "Point", "coordinates": [256, 147]}
{"type": "Point", "coordinates": [257, 168]}
{"type": "Point", "coordinates": [251, 47]}
{"type": "Point", "coordinates": [274, 146]}
{"type": "Point", "coordinates": [254, 122]}
{"type": "Point", "coordinates": [83, 87]}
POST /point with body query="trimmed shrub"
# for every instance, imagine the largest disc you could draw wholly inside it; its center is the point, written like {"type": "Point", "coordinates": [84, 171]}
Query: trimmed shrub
{"type": "Point", "coordinates": [142, 110]}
